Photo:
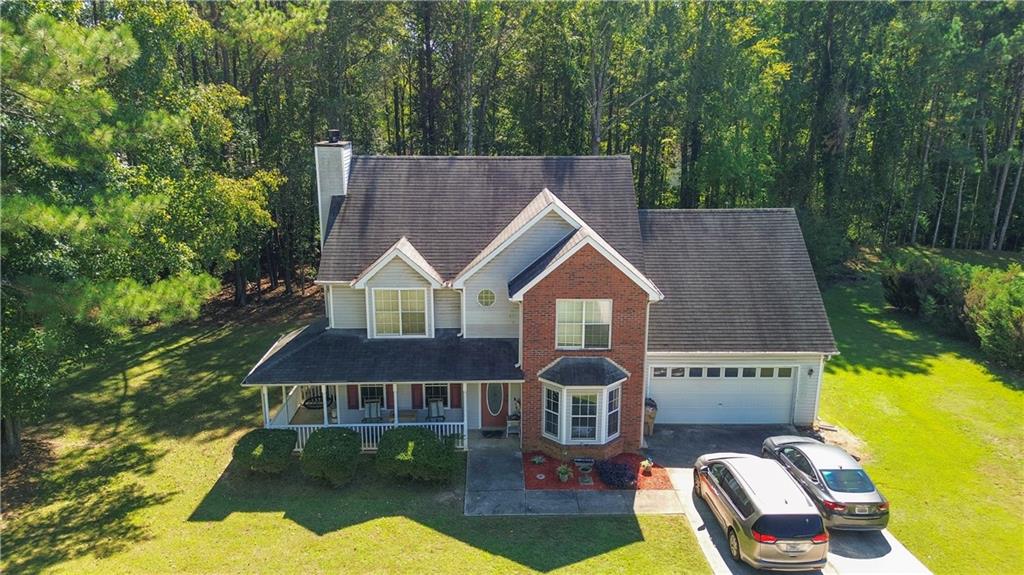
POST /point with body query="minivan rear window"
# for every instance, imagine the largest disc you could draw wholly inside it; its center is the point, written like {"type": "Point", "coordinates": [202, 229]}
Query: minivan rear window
{"type": "Point", "coordinates": [790, 526]}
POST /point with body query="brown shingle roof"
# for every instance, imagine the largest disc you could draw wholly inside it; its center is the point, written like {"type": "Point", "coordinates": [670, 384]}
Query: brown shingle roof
{"type": "Point", "coordinates": [450, 208]}
{"type": "Point", "coordinates": [734, 281]}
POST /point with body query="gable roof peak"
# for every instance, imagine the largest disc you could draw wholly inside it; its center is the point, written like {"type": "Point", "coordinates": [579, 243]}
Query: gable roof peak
{"type": "Point", "coordinates": [404, 250]}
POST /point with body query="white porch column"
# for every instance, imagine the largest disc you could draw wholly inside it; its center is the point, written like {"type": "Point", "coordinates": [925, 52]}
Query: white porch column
{"type": "Point", "coordinates": [266, 406]}
{"type": "Point", "coordinates": [337, 402]}
{"type": "Point", "coordinates": [394, 401]}
{"type": "Point", "coordinates": [465, 421]}
{"type": "Point", "coordinates": [323, 401]}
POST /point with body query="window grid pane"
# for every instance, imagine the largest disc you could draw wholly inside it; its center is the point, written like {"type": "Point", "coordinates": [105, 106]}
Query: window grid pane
{"type": "Point", "coordinates": [583, 422]}
{"type": "Point", "coordinates": [583, 324]}
{"type": "Point", "coordinates": [613, 413]}
{"type": "Point", "coordinates": [551, 412]}
{"type": "Point", "coordinates": [434, 392]}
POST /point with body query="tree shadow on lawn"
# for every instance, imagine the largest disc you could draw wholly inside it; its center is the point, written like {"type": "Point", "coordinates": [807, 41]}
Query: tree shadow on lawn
{"type": "Point", "coordinates": [875, 338]}
{"type": "Point", "coordinates": [176, 382]}
{"type": "Point", "coordinates": [539, 543]}
{"type": "Point", "coordinates": [83, 506]}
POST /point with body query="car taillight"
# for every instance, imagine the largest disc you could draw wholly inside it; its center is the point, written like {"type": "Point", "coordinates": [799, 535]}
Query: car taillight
{"type": "Point", "coordinates": [833, 506]}
{"type": "Point", "coordinates": [763, 537]}
{"type": "Point", "coordinates": [883, 506]}
{"type": "Point", "coordinates": [820, 537]}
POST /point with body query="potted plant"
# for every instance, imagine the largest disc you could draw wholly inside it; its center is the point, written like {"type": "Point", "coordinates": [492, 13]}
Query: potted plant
{"type": "Point", "coordinates": [646, 466]}
{"type": "Point", "coordinates": [564, 473]}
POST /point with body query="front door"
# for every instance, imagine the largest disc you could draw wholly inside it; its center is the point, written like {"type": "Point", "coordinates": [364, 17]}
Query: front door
{"type": "Point", "coordinates": [493, 405]}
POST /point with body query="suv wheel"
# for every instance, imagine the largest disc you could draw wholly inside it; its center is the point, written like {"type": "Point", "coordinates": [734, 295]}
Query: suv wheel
{"type": "Point", "coordinates": [734, 546]}
{"type": "Point", "coordinates": [696, 485]}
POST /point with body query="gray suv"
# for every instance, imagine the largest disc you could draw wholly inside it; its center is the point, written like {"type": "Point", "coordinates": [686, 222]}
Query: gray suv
{"type": "Point", "coordinates": [769, 521]}
{"type": "Point", "coordinates": [835, 481]}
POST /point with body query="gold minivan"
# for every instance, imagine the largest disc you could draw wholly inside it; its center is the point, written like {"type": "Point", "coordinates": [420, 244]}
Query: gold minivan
{"type": "Point", "coordinates": [769, 522]}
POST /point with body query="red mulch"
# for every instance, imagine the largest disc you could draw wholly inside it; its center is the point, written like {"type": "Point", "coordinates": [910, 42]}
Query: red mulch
{"type": "Point", "coordinates": [658, 479]}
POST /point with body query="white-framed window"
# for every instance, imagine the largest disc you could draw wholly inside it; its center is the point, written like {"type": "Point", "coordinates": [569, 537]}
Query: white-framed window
{"type": "Point", "coordinates": [400, 312]}
{"type": "Point", "coordinates": [612, 425]}
{"type": "Point", "coordinates": [552, 400]}
{"type": "Point", "coordinates": [371, 392]}
{"type": "Point", "coordinates": [583, 417]}
{"type": "Point", "coordinates": [574, 415]}
{"type": "Point", "coordinates": [485, 298]}
{"type": "Point", "coordinates": [583, 323]}
{"type": "Point", "coordinates": [434, 391]}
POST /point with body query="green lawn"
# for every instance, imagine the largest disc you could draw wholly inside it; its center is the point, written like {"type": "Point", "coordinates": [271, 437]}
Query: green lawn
{"type": "Point", "coordinates": [944, 431]}
{"type": "Point", "coordinates": [139, 482]}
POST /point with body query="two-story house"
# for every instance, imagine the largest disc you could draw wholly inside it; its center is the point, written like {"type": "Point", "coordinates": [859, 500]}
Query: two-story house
{"type": "Point", "coordinates": [465, 292]}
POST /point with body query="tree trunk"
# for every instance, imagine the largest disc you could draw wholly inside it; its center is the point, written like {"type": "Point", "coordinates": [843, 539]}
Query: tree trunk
{"type": "Point", "coordinates": [1009, 207]}
{"type": "Point", "coordinates": [942, 205]}
{"type": "Point", "coordinates": [12, 438]}
{"type": "Point", "coordinates": [1011, 136]}
{"type": "Point", "coordinates": [920, 188]}
{"type": "Point", "coordinates": [959, 206]}
{"type": "Point", "coordinates": [240, 299]}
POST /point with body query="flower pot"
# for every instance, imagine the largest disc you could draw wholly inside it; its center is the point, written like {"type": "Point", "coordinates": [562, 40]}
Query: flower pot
{"type": "Point", "coordinates": [564, 478]}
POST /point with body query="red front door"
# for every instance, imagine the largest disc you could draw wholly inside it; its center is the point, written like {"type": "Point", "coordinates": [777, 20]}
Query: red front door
{"type": "Point", "coordinates": [493, 405]}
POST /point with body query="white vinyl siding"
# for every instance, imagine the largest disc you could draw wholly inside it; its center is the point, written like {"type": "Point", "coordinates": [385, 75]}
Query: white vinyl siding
{"type": "Point", "coordinates": [348, 307]}
{"type": "Point", "coordinates": [502, 318]}
{"type": "Point", "coordinates": [766, 388]}
{"type": "Point", "coordinates": [447, 313]}
{"type": "Point", "coordinates": [397, 274]}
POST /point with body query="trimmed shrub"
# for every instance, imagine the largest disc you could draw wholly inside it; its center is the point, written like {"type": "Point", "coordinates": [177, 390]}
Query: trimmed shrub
{"type": "Point", "coordinates": [415, 453]}
{"type": "Point", "coordinates": [266, 451]}
{"type": "Point", "coordinates": [995, 310]}
{"type": "Point", "coordinates": [617, 475]}
{"type": "Point", "coordinates": [332, 454]}
{"type": "Point", "coordinates": [930, 287]}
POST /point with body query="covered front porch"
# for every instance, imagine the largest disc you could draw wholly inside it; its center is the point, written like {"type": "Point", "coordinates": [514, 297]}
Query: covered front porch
{"type": "Point", "coordinates": [368, 409]}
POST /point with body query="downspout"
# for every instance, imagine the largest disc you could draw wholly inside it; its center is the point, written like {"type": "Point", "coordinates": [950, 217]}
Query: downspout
{"type": "Point", "coordinates": [643, 396]}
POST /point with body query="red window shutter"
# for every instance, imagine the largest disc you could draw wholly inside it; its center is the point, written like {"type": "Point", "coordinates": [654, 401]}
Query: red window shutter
{"type": "Point", "coordinates": [417, 396]}
{"type": "Point", "coordinates": [455, 390]}
{"type": "Point", "coordinates": [353, 396]}
{"type": "Point", "coordinates": [388, 395]}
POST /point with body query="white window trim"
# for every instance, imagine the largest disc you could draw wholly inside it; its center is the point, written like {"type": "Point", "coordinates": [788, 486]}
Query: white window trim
{"type": "Point", "coordinates": [447, 392]}
{"type": "Point", "coordinates": [545, 411]}
{"type": "Point", "coordinates": [383, 394]}
{"type": "Point", "coordinates": [618, 410]}
{"type": "Point", "coordinates": [583, 345]}
{"type": "Point", "coordinates": [565, 394]}
{"type": "Point", "coordinates": [427, 317]}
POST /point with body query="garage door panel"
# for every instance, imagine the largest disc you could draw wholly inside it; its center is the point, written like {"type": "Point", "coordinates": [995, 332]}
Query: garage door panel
{"type": "Point", "coordinates": [723, 400]}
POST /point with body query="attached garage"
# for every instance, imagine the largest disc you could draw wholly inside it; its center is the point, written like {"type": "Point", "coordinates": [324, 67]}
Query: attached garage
{"type": "Point", "coordinates": [719, 394]}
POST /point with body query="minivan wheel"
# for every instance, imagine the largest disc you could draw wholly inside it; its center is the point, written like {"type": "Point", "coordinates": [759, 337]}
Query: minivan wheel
{"type": "Point", "coordinates": [734, 546]}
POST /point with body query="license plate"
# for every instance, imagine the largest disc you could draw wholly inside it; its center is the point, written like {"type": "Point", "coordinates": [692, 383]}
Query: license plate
{"type": "Point", "coordinates": [794, 547]}
{"type": "Point", "coordinates": [861, 509]}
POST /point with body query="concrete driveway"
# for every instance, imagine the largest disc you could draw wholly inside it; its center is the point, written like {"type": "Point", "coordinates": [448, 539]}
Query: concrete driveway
{"type": "Point", "coordinates": [676, 447]}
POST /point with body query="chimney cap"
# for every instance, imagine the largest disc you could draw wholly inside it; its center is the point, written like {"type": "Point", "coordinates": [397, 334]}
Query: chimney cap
{"type": "Point", "coordinates": [334, 135]}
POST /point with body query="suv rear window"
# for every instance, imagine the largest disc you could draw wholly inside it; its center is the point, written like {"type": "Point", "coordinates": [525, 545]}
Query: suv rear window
{"type": "Point", "coordinates": [790, 526]}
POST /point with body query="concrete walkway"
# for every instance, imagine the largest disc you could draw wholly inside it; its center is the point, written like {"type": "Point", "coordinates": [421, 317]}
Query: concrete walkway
{"type": "Point", "coordinates": [495, 487]}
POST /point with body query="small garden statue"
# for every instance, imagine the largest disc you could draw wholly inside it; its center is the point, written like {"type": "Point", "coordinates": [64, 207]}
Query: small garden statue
{"type": "Point", "coordinates": [646, 466]}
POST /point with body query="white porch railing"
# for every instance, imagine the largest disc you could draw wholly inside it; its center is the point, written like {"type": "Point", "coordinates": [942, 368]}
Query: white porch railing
{"type": "Point", "coordinates": [370, 433]}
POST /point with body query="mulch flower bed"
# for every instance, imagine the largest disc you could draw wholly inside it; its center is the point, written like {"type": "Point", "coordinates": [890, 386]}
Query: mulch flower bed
{"type": "Point", "coordinates": [658, 479]}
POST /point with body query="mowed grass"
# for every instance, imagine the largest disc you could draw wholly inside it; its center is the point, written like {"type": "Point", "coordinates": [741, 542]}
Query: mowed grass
{"type": "Point", "coordinates": [944, 432]}
{"type": "Point", "coordinates": [139, 481]}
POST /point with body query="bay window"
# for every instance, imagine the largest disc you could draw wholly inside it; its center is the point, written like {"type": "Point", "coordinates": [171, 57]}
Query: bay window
{"type": "Point", "coordinates": [583, 323]}
{"type": "Point", "coordinates": [581, 414]}
{"type": "Point", "coordinates": [400, 312]}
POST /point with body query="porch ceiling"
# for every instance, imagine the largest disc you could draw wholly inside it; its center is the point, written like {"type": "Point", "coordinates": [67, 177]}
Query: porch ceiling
{"type": "Point", "coordinates": [315, 354]}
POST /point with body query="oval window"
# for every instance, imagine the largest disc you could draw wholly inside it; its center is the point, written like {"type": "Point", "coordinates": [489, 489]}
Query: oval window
{"type": "Point", "coordinates": [495, 398]}
{"type": "Point", "coordinates": [485, 298]}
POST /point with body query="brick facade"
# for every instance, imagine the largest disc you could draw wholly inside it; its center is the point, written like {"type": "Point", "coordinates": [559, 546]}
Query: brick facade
{"type": "Point", "coordinates": [586, 275]}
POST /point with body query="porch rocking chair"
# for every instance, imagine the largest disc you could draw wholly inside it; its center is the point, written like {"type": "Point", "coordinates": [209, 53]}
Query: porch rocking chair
{"type": "Point", "coordinates": [435, 410]}
{"type": "Point", "coordinates": [371, 412]}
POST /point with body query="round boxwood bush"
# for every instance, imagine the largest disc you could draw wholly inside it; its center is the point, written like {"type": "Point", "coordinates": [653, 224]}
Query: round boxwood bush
{"type": "Point", "coordinates": [267, 451]}
{"type": "Point", "coordinates": [415, 453]}
{"type": "Point", "coordinates": [332, 454]}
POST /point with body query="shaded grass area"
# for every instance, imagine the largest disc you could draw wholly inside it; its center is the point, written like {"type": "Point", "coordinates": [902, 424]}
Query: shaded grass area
{"type": "Point", "coordinates": [136, 477]}
{"type": "Point", "coordinates": [943, 430]}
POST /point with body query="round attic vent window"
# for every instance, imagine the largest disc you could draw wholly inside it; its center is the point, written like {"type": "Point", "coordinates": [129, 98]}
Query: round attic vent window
{"type": "Point", "coordinates": [485, 298]}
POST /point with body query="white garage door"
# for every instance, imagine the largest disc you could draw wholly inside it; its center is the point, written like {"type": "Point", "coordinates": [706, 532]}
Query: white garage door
{"type": "Point", "coordinates": [719, 394]}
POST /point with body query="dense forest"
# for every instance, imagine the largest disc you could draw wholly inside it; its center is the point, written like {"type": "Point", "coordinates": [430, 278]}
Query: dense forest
{"type": "Point", "coordinates": [152, 150]}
